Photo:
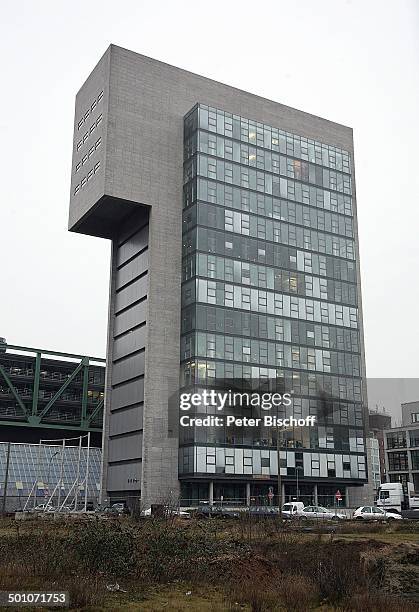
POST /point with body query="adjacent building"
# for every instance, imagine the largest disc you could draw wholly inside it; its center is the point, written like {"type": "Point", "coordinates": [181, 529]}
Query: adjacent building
{"type": "Point", "coordinates": [402, 447]}
{"type": "Point", "coordinates": [50, 396]}
{"type": "Point", "coordinates": [376, 460]}
{"type": "Point", "coordinates": [378, 422]}
{"type": "Point", "coordinates": [402, 454]}
{"type": "Point", "coordinates": [234, 256]}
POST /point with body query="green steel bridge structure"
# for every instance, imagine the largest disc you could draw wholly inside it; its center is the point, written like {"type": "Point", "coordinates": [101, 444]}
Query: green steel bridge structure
{"type": "Point", "coordinates": [41, 389]}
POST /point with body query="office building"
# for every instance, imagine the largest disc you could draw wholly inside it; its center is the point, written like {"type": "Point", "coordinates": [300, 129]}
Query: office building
{"type": "Point", "coordinates": [234, 256]}
{"type": "Point", "coordinates": [402, 454]}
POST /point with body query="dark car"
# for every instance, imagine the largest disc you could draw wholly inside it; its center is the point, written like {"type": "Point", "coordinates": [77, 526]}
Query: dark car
{"type": "Point", "coordinates": [268, 511]}
{"type": "Point", "coordinates": [119, 508]}
{"type": "Point", "coordinates": [208, 511]}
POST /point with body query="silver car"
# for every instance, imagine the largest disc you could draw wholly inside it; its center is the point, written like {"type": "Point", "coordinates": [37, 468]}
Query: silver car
{"type": "Point", "coordinates": [372, 513]}
{"type": "Point", "coordinates": [319, 512]}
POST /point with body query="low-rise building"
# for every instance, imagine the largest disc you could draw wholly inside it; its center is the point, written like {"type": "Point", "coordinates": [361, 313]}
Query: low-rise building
{"type": "Point", "coordinates": [402, 454]}
{"type": "Point", "coordinates": [378, 422]}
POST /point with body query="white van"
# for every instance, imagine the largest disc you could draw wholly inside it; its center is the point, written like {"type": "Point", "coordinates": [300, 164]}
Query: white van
{"type": "Point", "coordinates": [292, 509]}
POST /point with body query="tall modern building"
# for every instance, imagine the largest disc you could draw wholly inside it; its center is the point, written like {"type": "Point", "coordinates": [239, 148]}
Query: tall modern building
{"type": "Point", "coordinates": [234, 256]}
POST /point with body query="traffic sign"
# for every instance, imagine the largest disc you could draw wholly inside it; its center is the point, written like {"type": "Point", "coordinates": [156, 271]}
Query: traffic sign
{"type": "Point", "coordinates": [338, 495]}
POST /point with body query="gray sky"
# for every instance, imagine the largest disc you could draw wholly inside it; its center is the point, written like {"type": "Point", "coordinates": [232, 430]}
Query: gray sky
{"type": "Point", "coordinates": [355, 62]}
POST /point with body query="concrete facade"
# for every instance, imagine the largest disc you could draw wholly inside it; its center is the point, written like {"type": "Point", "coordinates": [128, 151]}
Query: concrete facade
{"type": "Point", "coordinates": [132, 178]}
{"type": "Point", "coordinates": [410, 413]}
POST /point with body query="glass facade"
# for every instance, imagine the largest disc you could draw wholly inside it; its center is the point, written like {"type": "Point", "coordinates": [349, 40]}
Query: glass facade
{"type": "Point", "coordinates": [396, 439]}
{"type": "Point", "coordinates": [373, 452]}
{"type": "Point", "coordinates": [402, 455]}
{"type": "Point", "coordinates": [269, 291]}
{"type": "Point", "coordinates": [30, 463]}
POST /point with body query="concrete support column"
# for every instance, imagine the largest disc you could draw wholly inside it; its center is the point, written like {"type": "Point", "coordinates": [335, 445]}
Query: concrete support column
{"type": "Point", "coordinates": [211, 492]}
{"type": "Point", "coordinates": [247, 493]}
{"type": "Point", "coordinates": [316, 499]}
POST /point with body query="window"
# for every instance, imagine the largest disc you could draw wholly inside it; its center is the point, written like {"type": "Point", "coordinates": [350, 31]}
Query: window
{"type": "Point", "coordinates": [414, 438]}
{"type": "Point", "coordinates": [397, 462]}
{"type": "Point", "coordinates": [415, 459]}
{"type": "Point", "coordinates": [396, 439]}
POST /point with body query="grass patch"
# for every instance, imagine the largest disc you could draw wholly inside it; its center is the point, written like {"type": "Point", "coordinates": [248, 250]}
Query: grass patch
{"type": "Point", "coordinates": [213, 565]}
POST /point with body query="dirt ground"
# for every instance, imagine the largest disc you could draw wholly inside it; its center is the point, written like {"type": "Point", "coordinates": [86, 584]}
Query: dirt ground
{"type": "Point", "coordinates": [215, 566]}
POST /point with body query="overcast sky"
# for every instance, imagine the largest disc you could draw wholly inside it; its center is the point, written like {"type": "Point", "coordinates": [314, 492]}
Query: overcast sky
{"type": "Point", "coordinates": [355, 62]}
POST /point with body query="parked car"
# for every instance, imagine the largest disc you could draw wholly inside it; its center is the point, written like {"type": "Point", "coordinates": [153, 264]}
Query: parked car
{"type": "Point", "coordinates": [319, 512]}
{"type": "Point", "coordinates": [372, 513]}
{"type": "Point", "coordinates": [118, 509]}
{"type": "Point", "coordinates": [216, 511]}
{"type": "Point", "coordinates": [270, 511]}
{"type": "Point", "coordinates": [169, 512]}
{"type": "Point", "coordinates": [44, 508]}
{"type": "Point", "coordinates": [180, 513]}
{"type": "Point", "coordinates": [292, 509]}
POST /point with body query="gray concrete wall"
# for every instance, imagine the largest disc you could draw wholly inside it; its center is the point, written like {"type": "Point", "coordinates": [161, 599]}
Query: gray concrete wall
{"type": "Point", "coordinates": [144, 104]}
{"type": "Point", "coordinates": [94, 93]}
{"type": "Point", "coordinates": [407, 410]}
{"type": "Point", "coordinates": [126, 355]}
